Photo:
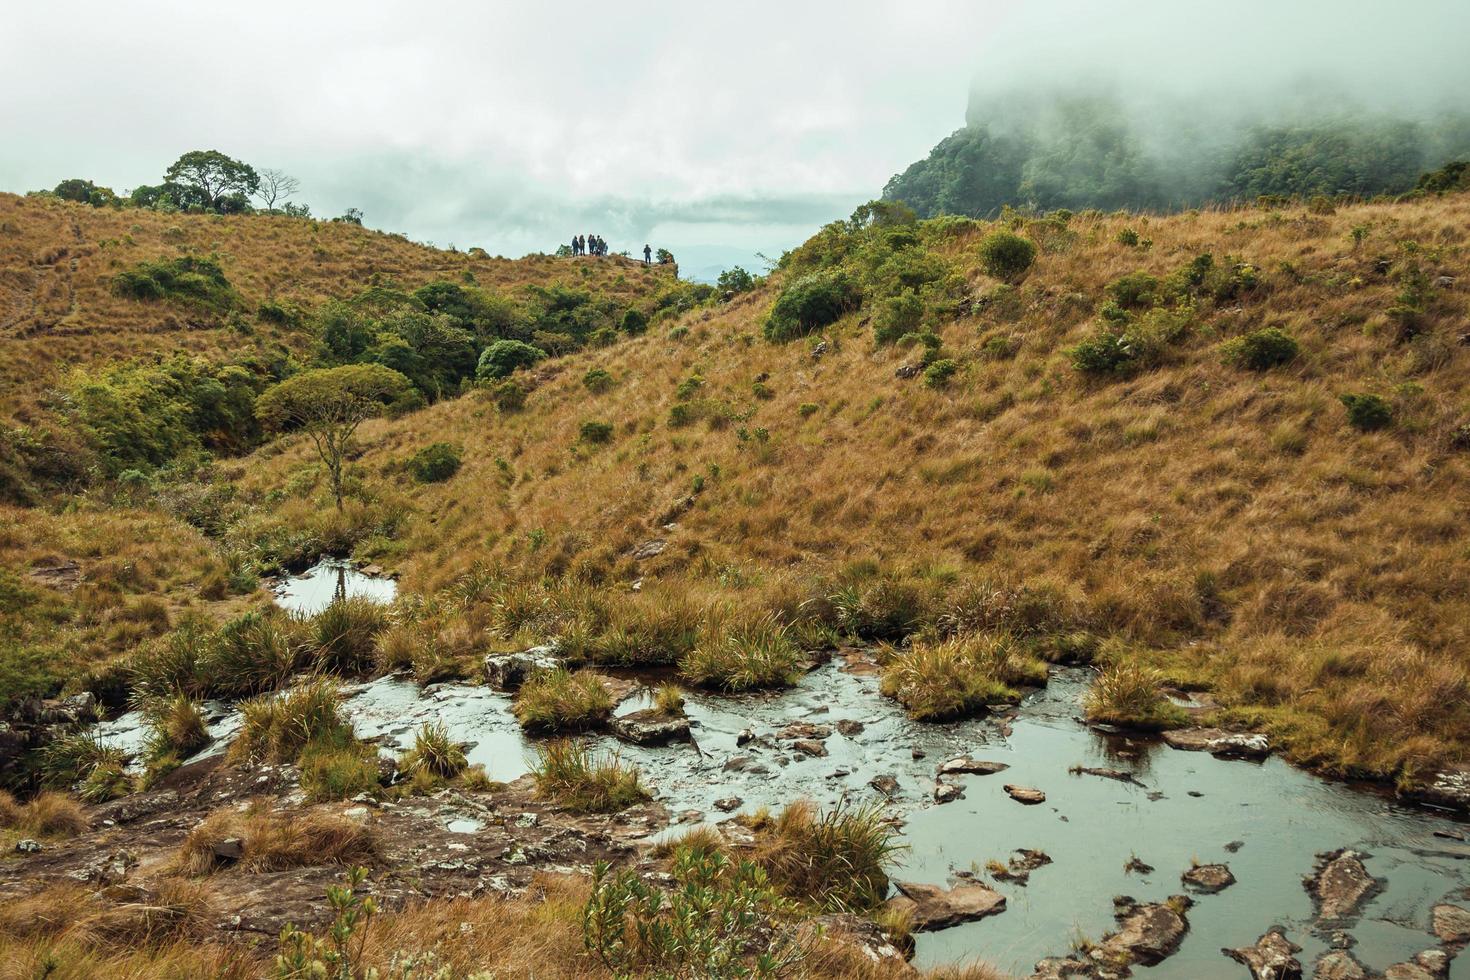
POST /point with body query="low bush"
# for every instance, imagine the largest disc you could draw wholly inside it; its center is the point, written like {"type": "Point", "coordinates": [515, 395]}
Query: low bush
{"type": "Point", "coordinates": [597, 381]}
{"type": "Point", "coordinates": [435, 463]}
{"type": "Point", "coordinates": [742, 656]}
{"type": "Point", "coordinates": [1129, 694]}
{"type": "Point", "coordinates": [939, 374]}
{"type": "Point", "coordinates": [1261, 350]}
{"type": "Point", "coordinates": [190, 279]}
{"type": "Point", "coordinates": [1135, 291]}
{"type": "Point", "coordinates": [562, 701]}
{"type": "Point", "coordinates": [595, 432]}
{"type": "Point", "coordinates": [958, 677]}
{"type": "Point", "coordinates": [571, 774]}
{"type": "Point", "coordinates": [896, 316]}
{"type": "Point", "coordinates": [1367, 413]}
{"type": "Point", "coordinates": [504, 357]}
{"type": "Point", "coordinates": [1006, 255]}
{"type": "Point", "coordinates": [811, 302]}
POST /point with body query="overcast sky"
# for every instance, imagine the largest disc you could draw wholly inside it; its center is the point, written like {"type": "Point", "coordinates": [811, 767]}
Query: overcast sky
{"type": "Point", "coordinates": [513, 126]}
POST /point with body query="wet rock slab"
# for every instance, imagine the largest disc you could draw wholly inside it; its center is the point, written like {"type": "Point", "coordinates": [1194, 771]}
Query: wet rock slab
{"type": "Point", "coordinates": [1147, 935]}
{"type": "Point", "coordinates": [1450, 788]}
{"type": "Point", "coordinates": [1273, 957]}
{"type": "Point", "coordinates": [508, 671]}
{"type": "Point", "coordinates": [1340, 884]}
{"type": "Point", "coordinates": [931, 907]}
{"type": "Point", "coordinates": [1207, 879]}
{"type": "Point", "coordinates": [650, 727]}
{"type": "Point", "coordinates": [1339, 964]}
{"type": "Point", "coordinates": [1451, 924]}
{"type": "Point", "coordinates": [964, 765]}
{"type": "Point", "coordinates": [1432, 964]}
{"type": "Point", "coordinates": [1217, 741]}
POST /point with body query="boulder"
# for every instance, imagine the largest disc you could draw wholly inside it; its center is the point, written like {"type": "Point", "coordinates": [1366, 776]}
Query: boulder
{"type": "Point", "coordinates": [651, 548]}
{"type": "Point", "coordinates": [1207, 879]}
{"type": "Point", "coordinates": [1147, 934]}
{"type": "Point", "coordinates": [1025, 794]}
{"type": "Point", "coordinates": [1451, 924]}
{"type": "Point", "coordinates": [931, 907]}
{"type": "Point", "coordinates": [1432, 964]}
{"type": "Point", "coordinates": [1449, 788]}
{"type": "Point", "coordinates": [728, 804]}
{"type": "Point", "coordinates": [804, 730]}
{"type": "Point", "coordinates": [947, 792]}
{"type": "Point", "coordinates": [1340, 884]}
{"type": "Point", "coordinates": [650, 727]}
{"type": "Point", "coordinates": [1339, 964]}
{"type": "Point", "coordinates": [809, 746]}
{"type": "Point", "coordinates": [850, 728]}
{"type": "Point", "coordinates": [886, 784]}
{"type": "Point", "coordinates": [971, 767]}
{"type": "Point", "coordinates": [1217, 741]}
{"type": "Point", "coordinates": [1273, 957]}
{"type": "Point", "coordinates": [508, 671]}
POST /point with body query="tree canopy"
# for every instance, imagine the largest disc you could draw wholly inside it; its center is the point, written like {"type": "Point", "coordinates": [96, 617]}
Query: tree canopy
{"type": "Point", "coordinates": [221, 183]}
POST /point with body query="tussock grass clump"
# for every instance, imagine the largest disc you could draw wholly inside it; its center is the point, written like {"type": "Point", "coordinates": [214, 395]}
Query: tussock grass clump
{"type": "Point", "coordinates": [81, 760]}
{"type": "Point", "coordinates": [337, 767]}
{"type": "Point", "coordinates": [48, 814]}
{"type": "Point", "coordinates": [276, 728]}
{"type": "Point", "coordinates": [562, 701]}
{"type": "Point", "coordinates": [256, 652]}
{"type": "Point", "coordinates": [1128, 693]}
{"type": "Point", "coordinates": [881, 607]}
{"type": "Point", "coordinates": [743, 656]}
{"type": "Point", "coordinates": [435, 753]}
{"type": "Point", "coordinates": [668, 700]}
{"type": "Point", "coordinates": [658, 627]}
{"type": "Point", "coordinates": [176, 727]}
{"type": "Point", "coordinates": [957, 677]}
{"type": "Point", "coordinates": [836, 859]}
{"type": "Point", "coordinates": [570, 773]}
{"type": "Point", "coordinates": [272, 841]}
{"type": "Point", "coordinates": [345, 633]}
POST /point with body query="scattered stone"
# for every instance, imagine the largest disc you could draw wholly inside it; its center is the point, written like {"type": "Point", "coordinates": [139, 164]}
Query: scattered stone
{"type": "Point", "coordinates": [689, 816]}
{"type": "Point", "coordinates": [863, 933]}
{"type": "Point", "coordinates": [728, 804]}
{"type": "Point", "coordinates": [819, 349]}
{"type": "Point", "coordinates": [1451, 924]}
{"type": "Point", "coordinates": [947, 792]}
{"type": "Point", "coordinates": [1234, 846]}
{"type": "Point", "coordinates": [651, 548]}
{"type": "Point", "coordinates": [931, 907]}
{"type": "Point", "coordinates": [885, 784]}
{"type": "Point", "coordinates": [650, 727]}
{"type": "Point", "coordinates": [809, 746]}
{"type": "Point", "coordinates": [1432, 964]}
{"type": "Point", "coordinates": [1019, 866]}
{"type": "Point", "coordinates": [1217, 741]}
{"type": "Point", "coordinates": [525, 821]}
{"type": "Point", "coordinates": [57, 573]}
{"type": "Point", "coordinates": [1339, 964]}
{"type": "Point", "coordinates": [745, 737]}
{"type": "Point", "coordinates": [1025, 794]}
{"type": "Point", "coordinates": [906, 371]}
{"type": "Point", "coordinates": [1340, 884]}
{"type": "Point", "coordinates": [508, 671]}
{"type": "Point", "coordinates": [916, 754]}
{"type": "Point", "coordinates": [27, 846]}
{"type": "Point", "coordinates": [850, 728]}
{"type": "Point", "coordinates": [972, 767]}
{"type": "Point", "coordinates": [1273, 957]}
{"type": "Point", "coordinates": [1136, 865]}
{"type": "Point", "coordinates": [1194, 793]}
{"type": "Point", "coordinates": [1147, 934]}
{"type": "Point", "coordinates": [804, 730]}
{"type": "Point", "coordinates": [1207, 879]}
{"type": "Point", "coordinates": [230, 849]}
{"type": "Point", "coordinates": [1444, 282]}
{"type": "Point", "coordinates": [1121, 775]}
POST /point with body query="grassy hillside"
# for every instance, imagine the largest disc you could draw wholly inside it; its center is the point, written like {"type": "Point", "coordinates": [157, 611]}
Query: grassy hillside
{"type": "Point", "coordinates": [1225, 524]}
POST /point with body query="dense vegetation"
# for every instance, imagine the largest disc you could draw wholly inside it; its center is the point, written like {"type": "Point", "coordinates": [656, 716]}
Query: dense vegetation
{"type": "Point", "coordinates": [1048, 152]}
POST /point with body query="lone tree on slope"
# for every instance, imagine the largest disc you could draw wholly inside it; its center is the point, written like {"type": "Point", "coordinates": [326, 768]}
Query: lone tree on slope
{"type": "Point", "coordinates": [216, 177]}
{"type": "Point", "coordinates": [328, 404]}
{"type": "Point", "coordinates": [275, 186]}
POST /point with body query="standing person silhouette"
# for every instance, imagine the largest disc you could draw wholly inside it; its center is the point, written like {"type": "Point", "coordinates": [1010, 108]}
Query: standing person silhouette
{"type": "Point", "coordinates": [574, 245]}
{"type": "Point", "coordinates": [647, 255]}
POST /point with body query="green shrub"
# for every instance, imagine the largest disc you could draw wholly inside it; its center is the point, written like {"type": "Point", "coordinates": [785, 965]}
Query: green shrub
{"type": "Point", "coordinates": [634, 322]}
{"type": "Point", "coordinates": [897, 315]}
{"type": "Point", "coordinates": [1128, 237]}
{"type": "Point", "coordinates": [1130, 694]}
{"type": "Point", "coordinates": [807, 409]}
{"type": "Point", "coordinates": [435, 463]}
{"type": "Point", "coordinates": [345, 634]}
{"type": "Point", "coordinates": [504, 357]}
{"type": "Point", "coordinates": [569, 773]}
{"type": "Point", "coordinates": [1261, 350]}
{"type": "Point", "coordinates": [509, 395]}
{"type": "Point", "coordinates": [1141, 345]}
{"type": "Point", "coordinates": [561, 701]}
{"type": "Point", "coordinates": [1135, 291]}
{"type": "Point", "coordinates": [721, 921]}
{"type": "Point", "coordinates": [596, 432]}
{"type": "Point", "coordinates": [1006, 256]}
{"type": "Point", "coordinates": [1367, 413]}
{"type": "Point", "coordinates": [743, 656]}
{"type": "Point", "coordinates": [597, 381]}
{"type": "Point", "coordinates": [811, 302]}
{"type": "Point", "coordinates": [939, 374]}
{"type": "Point", "coordinates": [188, 279]}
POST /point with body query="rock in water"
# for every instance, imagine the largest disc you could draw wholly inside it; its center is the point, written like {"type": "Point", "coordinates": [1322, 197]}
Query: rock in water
{"type": "Point", "coordinates": [1340, 884]}
{"type": "Point", "coordinates": [1025, 794]}
{"type": "Point", "coordinates": [1273, 957]}
{"type": "Point", "coordinates": [1207, 879]}
{"type": "Point", "coordinates": [650, 727]}
{"type": "Point", "coordinates": [931, 907]}
{"type": "Point", "coordinates": [972, 767]}
{"type": "Point", "coordinates": [508, 671]}
{"type": "Point", "coordinates": [1217, 741]}
{"type": "Point", "coordinates": [1432, 964]}
{"type": "Point", "coordinates": [1339, 964]}
{"type": "Point", "coordinates": [947, 792]}
{"type": "Point", "coordinates": [886, 784]}
{"type": "Point", "coordinates": [1452, 924]}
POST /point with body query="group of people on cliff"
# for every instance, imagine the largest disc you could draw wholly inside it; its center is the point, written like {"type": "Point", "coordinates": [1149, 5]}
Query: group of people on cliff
{"type": "Point", "coordinates": [595, 245]}
{"type": "Point", "coordinates": [588, 245]}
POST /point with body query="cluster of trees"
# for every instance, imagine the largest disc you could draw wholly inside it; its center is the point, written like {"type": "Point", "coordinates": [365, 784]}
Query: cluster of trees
{"type": "Point", "coordinates": [204, 181]}
{"type": "Point", "coordinates": [1079, 152]}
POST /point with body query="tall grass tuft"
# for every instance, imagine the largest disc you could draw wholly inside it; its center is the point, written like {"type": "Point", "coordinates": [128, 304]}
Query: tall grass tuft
{"type": "Point", "coordinates": [956, 678]}
{"type": "Point", "coordinates": [1129, 694]}
{"type": "Point", "coordinates": [435, 753]}
{"type": "Point", "coordinates": [276, 728]}
{"type": "Point", "coordinates": [749, 655]}
{"type": "Point", "coordinates": [345, 634]}
{"type": "Point", "coordinates": [837, 858]}
{"type": "Point", "coordinates": [561, 701]}
{"type": "Point", "coordinates": [570, 773]}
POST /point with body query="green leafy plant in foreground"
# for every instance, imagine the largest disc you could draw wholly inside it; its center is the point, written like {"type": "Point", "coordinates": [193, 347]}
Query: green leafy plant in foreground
{"type": "Point", "coordinates": [338, 954]}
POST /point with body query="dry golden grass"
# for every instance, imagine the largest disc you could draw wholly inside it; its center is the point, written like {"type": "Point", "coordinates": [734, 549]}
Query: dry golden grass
{"type": "Point", "coordinates": [47, 814]}
{"type": "Point", "coordinates": [1228, 524]}
{"type": "Point", "coordinates": [272, 841]}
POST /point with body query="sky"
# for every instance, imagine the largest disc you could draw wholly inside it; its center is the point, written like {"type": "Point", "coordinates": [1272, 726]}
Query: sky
{"type": "Point", "coordinates": [716, 130]}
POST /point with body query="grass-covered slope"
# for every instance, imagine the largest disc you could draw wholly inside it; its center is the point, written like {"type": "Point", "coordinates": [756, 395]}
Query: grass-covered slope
{"type": "Point", "coordinates": [1198, 502]}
